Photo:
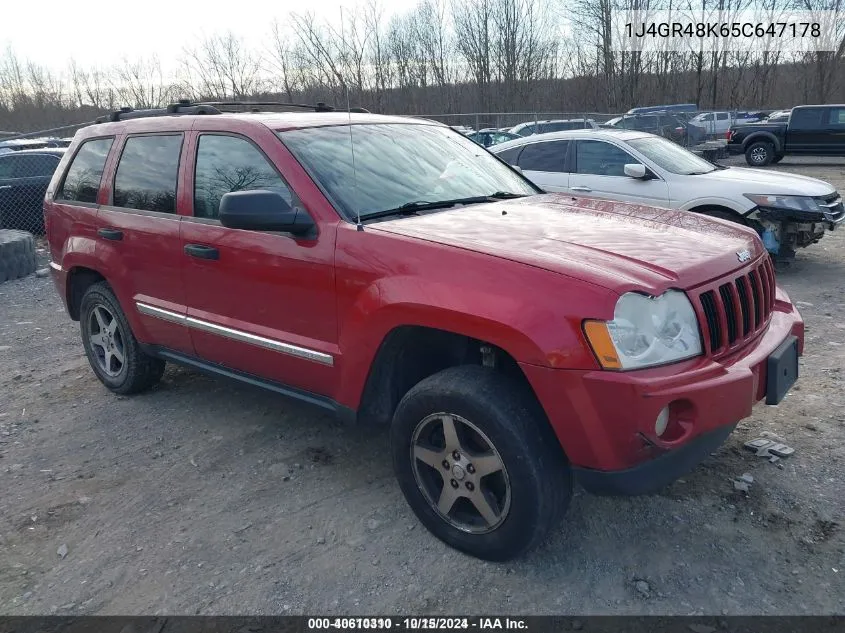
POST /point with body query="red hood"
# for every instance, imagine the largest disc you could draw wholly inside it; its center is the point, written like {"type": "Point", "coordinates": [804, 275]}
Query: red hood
{"type": "Point", "coordinates": [617, 245]}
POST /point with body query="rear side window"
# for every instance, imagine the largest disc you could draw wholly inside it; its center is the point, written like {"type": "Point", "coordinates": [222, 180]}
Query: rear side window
{"type": "Point", "coordinates": [549, 156]}
{"type": "Point", "coordinates": [722, 116]}
{"type": "Point", "coordinates": [226, 164]}
{"type": "Point", "coordinates": [35, 165]}
{"type": "Point", "coordinates": [837, 117]}
{"type": "Point", "coordinates": [147, 173]}
{"type": "Point", "coordinates": [510, 155]}
{"type": "Point", "coordinates": [806, 119]}
{"type": "Point", "coordinates": [82, 181]}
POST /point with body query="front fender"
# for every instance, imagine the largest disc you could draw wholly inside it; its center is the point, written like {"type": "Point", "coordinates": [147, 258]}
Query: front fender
{"type": "Point", "coordinates": [531, 331]}
{"type": "Point", "coordinates": [716, 201]}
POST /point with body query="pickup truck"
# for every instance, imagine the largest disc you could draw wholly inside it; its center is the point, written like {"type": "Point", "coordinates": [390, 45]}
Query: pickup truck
{"type": "Point", "coordinates": [810, 130]}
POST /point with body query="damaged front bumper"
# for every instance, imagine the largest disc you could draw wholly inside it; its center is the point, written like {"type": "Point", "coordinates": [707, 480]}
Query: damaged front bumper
{"type": "Point", "coordinates": [784, 230]}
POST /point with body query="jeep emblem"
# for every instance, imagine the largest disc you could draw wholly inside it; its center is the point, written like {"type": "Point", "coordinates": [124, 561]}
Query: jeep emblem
{"type": "Point", "coordinates": [743, 255]}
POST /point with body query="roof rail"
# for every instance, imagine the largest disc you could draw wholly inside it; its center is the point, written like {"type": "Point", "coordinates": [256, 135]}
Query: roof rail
{"type": "Point", "coordinates": [254, 106]}
{"type": "Point", "coordinates": [183, 106]}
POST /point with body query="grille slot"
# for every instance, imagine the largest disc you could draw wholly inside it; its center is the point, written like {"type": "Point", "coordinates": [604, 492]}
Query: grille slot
{"type": "Point", "coordinates": [738, 309]}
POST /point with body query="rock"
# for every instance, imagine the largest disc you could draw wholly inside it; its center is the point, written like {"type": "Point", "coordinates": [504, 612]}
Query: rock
{"type": "Point", "coordinates": [42, 272]}
{"type": "Point", "coordinates": [62, 551]}
{"type": "Point", "coordinates": [373, 524]}
{"type": "Point", "coordinates": [741, 485]}
{"type": "Point", "coordinates": [286, 478]}
{"type": "Point", "coordinates": [747, 478]}
{"type": "Point", "coordinates": [321, 541]}
{"type": "Point", "coordinates": [701, 628]}
{"type": "Point", "coordinates": [643, 588]}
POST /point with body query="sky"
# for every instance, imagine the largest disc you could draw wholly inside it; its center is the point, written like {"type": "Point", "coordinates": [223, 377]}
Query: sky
{"type": "Point", "coordinates": [101, 33]}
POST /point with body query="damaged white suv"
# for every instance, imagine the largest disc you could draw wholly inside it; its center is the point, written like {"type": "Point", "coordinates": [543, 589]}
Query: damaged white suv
{"type": "Point", "coordinates": [787, 210]}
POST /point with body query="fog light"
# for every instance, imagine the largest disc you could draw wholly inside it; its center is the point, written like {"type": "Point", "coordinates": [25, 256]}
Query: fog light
{"type": "Point", "coordinates": [662, 422]}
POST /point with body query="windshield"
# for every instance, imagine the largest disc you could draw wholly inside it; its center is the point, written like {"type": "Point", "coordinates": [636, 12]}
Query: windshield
{"type": "Point", "coordinates": [397, 165]}
{"type": "Point", "coordinates": [671, 156]}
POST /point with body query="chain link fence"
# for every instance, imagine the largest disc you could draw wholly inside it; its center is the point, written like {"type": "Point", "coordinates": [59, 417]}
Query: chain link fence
{"type": "Point", "coordinates": [27, 164]}
{"type": "Point", "coordinates": [702, 131]}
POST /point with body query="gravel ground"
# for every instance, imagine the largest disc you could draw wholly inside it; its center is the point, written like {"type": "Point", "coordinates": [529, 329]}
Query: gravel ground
{"type": "Point", "coordinates": [207, 497]}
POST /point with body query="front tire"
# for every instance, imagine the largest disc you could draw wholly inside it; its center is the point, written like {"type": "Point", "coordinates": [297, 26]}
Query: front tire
{"type": "Point", "coordinates": [759, 153]}
{"type": "Point", "coordinates": [111, 348]}
{"type": "Point", "coordinates": [478, 462]}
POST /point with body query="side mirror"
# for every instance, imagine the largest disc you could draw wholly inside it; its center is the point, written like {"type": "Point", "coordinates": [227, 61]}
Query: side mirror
{"type": "Point", "coordinates": [263, 210]}
{"type": "Point", "coordinates": [635, 170]}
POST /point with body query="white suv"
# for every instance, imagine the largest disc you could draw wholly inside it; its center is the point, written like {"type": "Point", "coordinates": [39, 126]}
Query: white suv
{"type": "Point", "coordinates": [559, 125]}
{"type": "Point", "coordinates": [787, 210]}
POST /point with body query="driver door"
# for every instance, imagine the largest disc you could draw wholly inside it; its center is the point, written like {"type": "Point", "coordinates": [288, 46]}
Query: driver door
{"type": "Point", "coordinates": [598, 172]}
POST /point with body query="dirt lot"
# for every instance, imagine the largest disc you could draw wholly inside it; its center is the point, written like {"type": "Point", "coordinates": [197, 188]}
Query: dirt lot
{"type": "Point", "coordinates": [207, 497]}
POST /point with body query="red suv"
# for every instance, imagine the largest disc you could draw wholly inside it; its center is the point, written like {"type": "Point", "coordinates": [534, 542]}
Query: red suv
{"type": "Point", "coordinates": [393, 271]}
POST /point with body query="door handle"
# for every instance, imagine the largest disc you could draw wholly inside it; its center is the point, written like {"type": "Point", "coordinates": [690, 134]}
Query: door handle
{"type": "Point", "coordinates": [111, 234]}
{"type": "Point", "coordinates": [585, 189]}
{"type": "Point", "coordinates": [202, 251]}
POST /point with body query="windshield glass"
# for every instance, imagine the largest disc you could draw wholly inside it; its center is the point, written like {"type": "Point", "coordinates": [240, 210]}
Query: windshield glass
{"type": "Point", "coordinates": [398, 164]}
{"type": "Point", "coordinates": [671, 156]}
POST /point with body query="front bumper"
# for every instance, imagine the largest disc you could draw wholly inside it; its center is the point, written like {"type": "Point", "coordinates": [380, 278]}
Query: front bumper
{"type": "Point", "coordinates": [605, 420]}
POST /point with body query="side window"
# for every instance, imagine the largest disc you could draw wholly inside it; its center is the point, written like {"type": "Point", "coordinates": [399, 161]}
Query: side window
{"type": "Point", "coordinates": [82, 180]}
{"type": "Point", "coordinates": [226, 164]}
{"type": "Point", "coordinates": [528, 130]}
{"type": "Point", "coordinates": [35, 165]}
{"type": "Point", "coordinates": [147, 173]}
{"type": "Point", "coordinates": [837, 117]}
{"type": "Point", "coordinates": [510, 155]}
{"type": "Point", "coordinates": [806, 119]}
{"type": "Point", "coordinates": [601, 159]}
{"type": "Point", "coordinates": [722, 116]}
{"type": "Point", "coordinates": [707, 117]}
{"type": "Point", "coordinates": [7, 167]}
{"type": "Point", "coordinates": [548, 156]}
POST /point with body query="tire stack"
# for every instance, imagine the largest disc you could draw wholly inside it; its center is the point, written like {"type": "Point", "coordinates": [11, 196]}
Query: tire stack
{"type": "Point", "coordinates": [17, 255]}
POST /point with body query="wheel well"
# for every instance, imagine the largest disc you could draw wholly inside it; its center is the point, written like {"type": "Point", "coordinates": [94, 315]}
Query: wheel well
{"type": "Point", "coordinates": [705, 208]}
{"type": "Point", "coordinates": [409, 354]}
{"type": "Point", "coordinates": [79, 279]}
{"type": "Point", "coordinates": [760, 138]}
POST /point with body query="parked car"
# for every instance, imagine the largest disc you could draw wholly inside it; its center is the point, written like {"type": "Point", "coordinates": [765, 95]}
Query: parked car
{"type": "Point", "coordinates": [419, 286]}
{"type": "Point", "coordinates": [778, 116]}
{"type": "Point", "coordinates": [675, 107]}
{"type": "Point", "coordinates": [808, 131]}
{"type": "Point", "coordinates": [491, 136]}
{"type": "Point", "coordinates": [16, 145]}
{"type": "Point", "coordinates": [542, 127]}
{"type": "Point", "coordinates": [24, 176]}
{"type": "Point", "coordinates": [667, 125]}
{"type": "Point", "coordinates": [787, 210]}
{"type": "Point", "coordinates": [714, 123]}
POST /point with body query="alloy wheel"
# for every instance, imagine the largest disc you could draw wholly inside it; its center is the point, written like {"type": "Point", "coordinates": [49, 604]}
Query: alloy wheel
{"type": "Point", "coordinates": [106, 339]}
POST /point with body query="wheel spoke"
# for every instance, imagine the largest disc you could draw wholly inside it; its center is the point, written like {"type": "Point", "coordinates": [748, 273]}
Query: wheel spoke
{"type": "Point", "coordinates": [108, 358]}
{"type": "Point", "coordinates": [101, 321]}
{"type": "Point", "coordinates": [448, 496]}
{"type": "Point", "coordinates": [486, 464]}
{"type": "Point", "coordinates": [450, 433]}
{"type": "Point", "coordinates": [425, 455]}
{"type": "Point", "coordinates": [112, 327]}
{"type": "Point", "coordinates": [118, 354]}
{"type": "Point", "coordinates": [479, 500]}
{"type": "Point", "coordinates": [97, 339]}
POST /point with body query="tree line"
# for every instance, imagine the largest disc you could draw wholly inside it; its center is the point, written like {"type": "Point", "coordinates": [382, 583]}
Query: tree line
{"type": "Point", "coordinates": [443, 56]}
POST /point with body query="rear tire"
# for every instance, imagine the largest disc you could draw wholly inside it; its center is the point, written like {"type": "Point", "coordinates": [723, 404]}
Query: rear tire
{"type": "Point", "coordinates": [500, 430]}
{"type": "Point", "coordinates": [759, 153]}
{"type": "Point", "coordinates": [111, 348]}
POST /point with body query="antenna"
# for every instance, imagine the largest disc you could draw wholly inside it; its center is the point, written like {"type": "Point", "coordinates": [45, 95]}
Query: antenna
{"type": "Point", "coordinates": [358, 224]}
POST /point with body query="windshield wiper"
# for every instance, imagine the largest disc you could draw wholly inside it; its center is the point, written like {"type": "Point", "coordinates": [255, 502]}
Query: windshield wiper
{"type": "Point", "coordinates": [410, 208]}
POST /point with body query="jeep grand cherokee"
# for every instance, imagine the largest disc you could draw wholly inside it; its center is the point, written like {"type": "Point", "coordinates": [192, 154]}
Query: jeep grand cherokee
{"type": "Point", "coordinates": [392, 271]}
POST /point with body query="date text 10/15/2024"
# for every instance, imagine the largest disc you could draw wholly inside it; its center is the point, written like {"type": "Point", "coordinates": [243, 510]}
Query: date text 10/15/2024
{"type": "Point", "coordinates": [419, 624]}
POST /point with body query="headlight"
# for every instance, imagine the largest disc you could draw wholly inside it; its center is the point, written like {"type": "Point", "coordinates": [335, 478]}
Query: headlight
{"type": "Point", "coordinates": [646, 331]}
{"type": "Point", "coordinates": [793, 203]}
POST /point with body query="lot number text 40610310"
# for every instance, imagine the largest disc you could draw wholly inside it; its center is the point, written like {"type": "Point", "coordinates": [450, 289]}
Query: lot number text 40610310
{"type": "Point", "coordinates": [419, 623]}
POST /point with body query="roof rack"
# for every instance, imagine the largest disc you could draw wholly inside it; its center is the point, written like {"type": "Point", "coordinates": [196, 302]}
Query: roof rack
{"type": "Point", "coordinates": [186, 106]}
{"type": "Point", "coordinates": [183, 106]}
{"type": "Point", "coordinates": [254, 106]}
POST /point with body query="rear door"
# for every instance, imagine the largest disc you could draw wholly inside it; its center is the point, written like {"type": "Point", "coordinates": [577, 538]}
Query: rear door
{"type": "Point", "coordinates": [22, 194]}
{"type": "Point", "coordinates": [807, 131]}
{"type": "Point", "coordinates": [598, 172]}
{"type": "Point", "coordinates": [835, 137]}
{"type": "Point", "coordinates": [138, 238]}
{"type": "Point", "coordinates": [544, 164]}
